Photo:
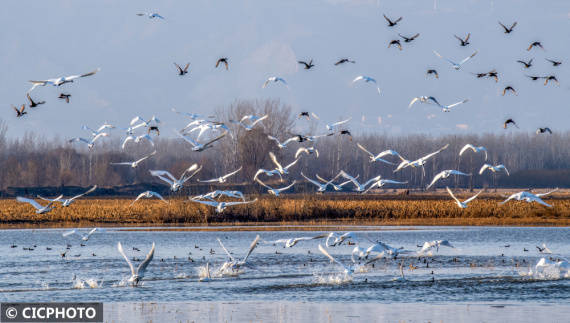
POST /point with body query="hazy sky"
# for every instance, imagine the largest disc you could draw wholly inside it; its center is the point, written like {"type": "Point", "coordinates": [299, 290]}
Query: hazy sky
{"type": "Point", "coordinates": [46, 39]}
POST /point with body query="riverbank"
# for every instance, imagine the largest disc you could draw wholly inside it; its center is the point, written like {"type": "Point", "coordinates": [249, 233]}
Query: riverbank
{"type": "Point", "coordinates": [335, 209]}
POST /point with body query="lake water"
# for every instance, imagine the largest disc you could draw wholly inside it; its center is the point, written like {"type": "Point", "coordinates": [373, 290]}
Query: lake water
{"type": "Point", "coordinates": [480, 275]}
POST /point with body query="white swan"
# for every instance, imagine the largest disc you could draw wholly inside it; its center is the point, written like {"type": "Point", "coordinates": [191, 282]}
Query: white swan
{"type": "Point", "coordinates": [234, 264]}
{"type": "Point", "coordinates": [428, 245]}
{"type": "Point", "coordinates": [282, 170]}
{"type": "Point", "coordinates": [84, 237]}
{"type": "Point", "coordinates": [383, 182]}
{"type": "Point", "coordinates": [221, 179]}
{"type": "Point", "coordinates": [455, 65]}
{"type": "Point", "coordinates": [138, 273]}
{"type": "Point", "coordinates": [378, 157]}
{"type": "Point", "coordinates": [215, 194]}
{"type": "Point", "coordinates": [148, 195]}
{"type": "Point", "coordinates": [419, 162]}
{"type": "Point", "coordinates": [528, 197]}
{"type": "Point", "coordinates": [40, 209]}
{"type": "Point", "coordinates": [135, 163]}
{"type": "Point", "coordinates": [359, 187]}
{"type": "Point", "coordinates": [90, 142]}
{"type": "Point", "coordinates": [494, 169]}
{"type": "Point", "coordinates": [137, 140]}
{"type": "Point", "coordinates": [332, 126]}
{"type": "Point", "coordinates": [474, 149]}
{"type": "Point", "coordinates": [60, 80]}
{"type": "Point", "coordinates": [463, 204]}
{"type": "Point", "coordinates": [274, 79]}
{"type": "Point", "coordinates": [196, 146]}
{"type": "Point", "coordinates": [307, 150]}
{"type": "Point", "coordinates": [176, 184]}
{"type": "Point", "coordinates": [366, 79]}
{"type": "Point", "coordinates": [275, 191]}
{"type": "Point", "coordinates": [289, 243]}
{"type": "Point", "coordinates": [445, 174]}
{"type": "Point", "coordinates": [253, 120]}
{"type": "Point", "coordinates": [221, 206]}
{"type": "Point", "coordinates": [67, 202]}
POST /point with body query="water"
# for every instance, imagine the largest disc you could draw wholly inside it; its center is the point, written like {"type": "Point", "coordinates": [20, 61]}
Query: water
{"type": "Point", "coordinates": [480, 270]}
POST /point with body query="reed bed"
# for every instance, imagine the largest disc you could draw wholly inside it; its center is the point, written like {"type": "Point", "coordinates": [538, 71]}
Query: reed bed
{"type": "Point", "coordinates": [298, 209]}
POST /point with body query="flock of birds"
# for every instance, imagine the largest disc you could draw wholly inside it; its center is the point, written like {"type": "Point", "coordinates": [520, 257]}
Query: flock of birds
{"type": "Point", "coordinates": [141, 131]}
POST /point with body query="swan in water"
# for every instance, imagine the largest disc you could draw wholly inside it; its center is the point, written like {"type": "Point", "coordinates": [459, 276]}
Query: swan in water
{"type": "Point", "coordinates": [348, 270]}
{"type": "Point", "coordinates": [445, 174]}
{"type": "Point", "coordinates": [221, 206]}
{"type": "Point", "coordinates": [463, 204]}
{"type": "Point", "coordinates": [67, 202]}
{"type": "Point", "coordinates": [138, 273]}
{"type": "Point", "coordinates": [234, 265]}
{"type": "Point", "coordinates": [176, 184]}
{"type": "Point", "coordinates": [40, 209]}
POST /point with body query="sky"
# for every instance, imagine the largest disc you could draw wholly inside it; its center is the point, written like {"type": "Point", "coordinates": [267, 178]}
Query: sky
{"type": "Point", "coordinates": [263, 38]}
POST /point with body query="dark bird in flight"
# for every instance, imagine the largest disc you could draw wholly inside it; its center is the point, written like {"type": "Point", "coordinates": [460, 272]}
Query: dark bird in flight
{"type": "Point", "coordinates": [395, 42]}
{"type": "Point", "coordinates": [508, 30]}
{"type": "Point", "coordinates": [344, 60]}
{"type": "Point", "coordinates": [64, 97]}
{"type": "Point", "coordinates": [308, 65]}
{"type": "Point", "coordinates": [526, 64]}
{"type": "Point", "coordinates": [509, 121]}
{"type": "Point", "coordinates": [392, 23]}
{"type": "Point", "coordinates": [155, 129]}
{"type": "Point", "coordinates": [550, 78]}
{"type": "Point", "coordinates": [20, 112]}
{"type": "Point", "coordinates": [554, 63]}
{"type": "Point", "coordinates": [494, 74]}
{"type": "Point", "coordinates": [346, 132]}
{"type": "Point", "coordinates": [307, 114]}
{"type": "Point", "coordinates": [509, 88]}
{"type": "Point", "coordinates": [540, 249]}
{"type": "Point", "coordinates": [535, 44]}
{"type": "Point", "coordinates": [543, 130]}
{"type": "Point", "coordinates": [409, 39]}
{"type": "Point", "coordinates": [464, 42]}
{"type": "Point", "coordinates": [223, 60]}
{"type": "Point", "coordinates": [479, 75]}
{"type": "Point", "coordinates": [534, 78]}
{"type": "Point", "coordinates": [34, 104]}
{"type": "Point", "coordinates": [182, 71]}
{"type": "Point", "coordinates": [434, 72]}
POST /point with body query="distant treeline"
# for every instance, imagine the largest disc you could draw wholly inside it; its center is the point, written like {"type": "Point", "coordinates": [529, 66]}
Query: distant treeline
{"type": "Point", "coordinates": [34, 161]}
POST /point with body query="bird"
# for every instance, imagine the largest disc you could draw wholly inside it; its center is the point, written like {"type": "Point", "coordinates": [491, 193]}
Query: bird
{"type": "Point", "coordinates": [64, 96]}
{"type": "Point", "coordinates": [535, 44]}
{"type": "Point", "coordinates": [284, 144]}
{"type": "Point", "coordinates": [529, 197]}
{"type": "Point", "coordinates": [550, 78]}
{"type": "Point", "coordinates": [135, 163]}
{"type": "Point", "coordinates": [509, 121]}
{"type": "Point", "coordinates": [40, 209]}
{"type": "Point", "coordinates": [282, 170]}
{"type": "Point", "coordinates": [395, 42]}
{"type": "Point", "coordinates": [359, 187]}
{"type": "Point", "coordinates": [137, 139]}
{"type": "Point", "coordinates": [274, 79]}
{"type": "Point", "coordinates": [99, 130]}
{"type": "Point", "coordinates": [419, 162]}
{"type": "Point", "coordinates": [409, 39]}
{"type": "Point", "coordinates": [337, 187]}
{"type": "Point", "coordinates": [475, 149]}
{"type": "Point", "coordinates": [455, 65]}
{"type": "Point", "coordinates": [428, 245]}
{"type": "Point", "coordinates": [33, 103]}
{"type": "Point", "coordinates": [307, 150]}
{"type": "Point", "coordinates": [234, 265]}
{"type": "Point", "coordinates": [392, 23]}
{"type": "Point", "coordinates": [206, 126]}
{"type": "Point", "coordinates": [223, 60]}
{"type": "Point", "coordinates": [424, 99]}
{"type": "Point", "coordinates": [526, 64]}
{"type": "Point", "coordinates": [20, 112]}
{"type": "Point", "coordinates": [463, 42]}
{"type": "Point", "coordinates": [182, 71]}
{"type": "Point", "coordinates": [494, 169]}
{"type": "Point", "coordinates": [221, 206]}
{"type": "Point", "coordinates": [138, 273]}
{"type": "Point", "coordinates": [215, 194]}
{"type": "Point", "coordinates": [543, 130]}
{"type": "Point", "coordinates": [307, 115]}
{"type": "Point", "coordinates": [267, 173]}
{"type": "Point", "coordinates": [90, 142]}
{"type": "Point", "coordinates": [143, 122]}
{"type": "Point", "coordinates": [434, 72]}
{"type": "Point", "coordinates": [346, 132]}
{"type": "Point", "coordinates": [275, 191]}
{"type": "Point", "coordinates": [343, 61]}
{"type": "Point", "coordinates": [384, 248]}
{"type": "Point", "coordinates": [150, 15]}
{"type": "Point", "coordinates": [348, 270]}
{"type": "Point", "coordinates": [60, 80]}
{"type": "Point", "coordinates": [509, 88]}
{"type": "Point", "coordinates": [291, 242]}
{"type": "Point", "coordinates": [445, 174]}
{"type": "Point", "coordinates": [83, 237]}
{"type": "Point", "coordinates": [148, 195]}
{"type": "Point", "coordinates": [544, 249]}
{"type": "Point", "coordinates": [383, 182]}
{"type": "Point", "coordinates": [463, 204]}
{"type": "Point", "coordinates": [509, 29]}
{"type": "Point", "coordinates": [493, 74]}
{"type": "Point", "coordinates": [321, 187]}
{"type": "Point", "coordinates": [331, 126]}
{"type": "Point", "coordinates": [479, 75]}
{"type": "Point", "coordinates": [69, 201]}
{"type": "Point", "coordinates": [196, 146]}
{"type": "Point", "coordinates": [253, 120]}
{"type": "Point", "coordinates": [221, 179]}
{"type": "Point", "coordinates": [176, 184]}
{"type": "Point", "coordinates": [366, 79]}
{"type": "Point", "coordinates": [554, 63]}
{"type": "Point", "coordinates": [308, 65]}
{"type": "Point", "coordinates": [375, 158]}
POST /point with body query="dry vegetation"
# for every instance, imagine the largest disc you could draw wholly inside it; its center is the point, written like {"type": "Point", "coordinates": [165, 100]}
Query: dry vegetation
{"type": "Point", "coordinates": [305, 209]}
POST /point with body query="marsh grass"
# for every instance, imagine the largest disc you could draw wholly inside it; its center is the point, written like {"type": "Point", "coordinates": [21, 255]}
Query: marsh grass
{"type": "Point", "coordinates": [335, 209]}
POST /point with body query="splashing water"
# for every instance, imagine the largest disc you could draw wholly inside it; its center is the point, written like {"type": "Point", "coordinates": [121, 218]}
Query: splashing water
{"type": "Point", "coordinates": [334, 279]}
{"type": "Point", "coordinates": [547, 269]}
